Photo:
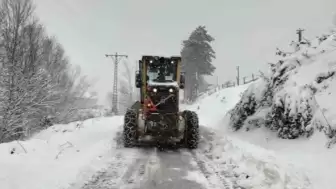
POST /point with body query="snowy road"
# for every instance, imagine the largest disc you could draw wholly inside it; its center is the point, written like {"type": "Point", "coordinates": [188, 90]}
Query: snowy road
{"type": "Point", "coordinates": [151, 168]}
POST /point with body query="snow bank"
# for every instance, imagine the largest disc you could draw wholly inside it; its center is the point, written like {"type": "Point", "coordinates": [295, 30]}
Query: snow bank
{"type": "Point", "coordinates": [252, 167]}
{"type": "Point", "coordinates": [59, 155]}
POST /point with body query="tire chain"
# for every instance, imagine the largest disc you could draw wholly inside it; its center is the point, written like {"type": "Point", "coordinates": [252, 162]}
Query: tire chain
{"type": "Point", "coordinates": [129, 126]}
{"type": "Point", "coordinates": [193, 121]}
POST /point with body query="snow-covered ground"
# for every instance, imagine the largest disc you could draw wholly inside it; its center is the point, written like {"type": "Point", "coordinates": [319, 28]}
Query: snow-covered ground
{"type": "Point", "coordinates": [66, 156]}
{"type": "Point", "coordinates": [211, 109]}
{"type": "Point", "coordinates": [307, 155]}
{"type": "Point", "coordinates": [59, 155]}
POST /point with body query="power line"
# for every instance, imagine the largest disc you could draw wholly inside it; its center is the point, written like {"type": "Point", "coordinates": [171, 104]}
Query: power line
{"type": "Point", "coordinates": [116, 57]}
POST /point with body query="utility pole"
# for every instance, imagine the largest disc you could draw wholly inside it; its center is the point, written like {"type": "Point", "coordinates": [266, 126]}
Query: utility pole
{"type": "Point", "coordinates": [195, 91]}
{"type": "Point", "coordinates": [299, 32]}
{"type": "Point", "coordinates": [238, 78]}
{"type": "Point", "coordinates": [116, 57]}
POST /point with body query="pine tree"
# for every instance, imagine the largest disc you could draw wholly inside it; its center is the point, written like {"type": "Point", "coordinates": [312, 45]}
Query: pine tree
{"type": "Point", "coordinates": [197, 55]}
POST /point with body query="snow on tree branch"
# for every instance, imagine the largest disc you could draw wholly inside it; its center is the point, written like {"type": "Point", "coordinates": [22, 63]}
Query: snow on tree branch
{"type": "Point", "coordinates": [38, 86]}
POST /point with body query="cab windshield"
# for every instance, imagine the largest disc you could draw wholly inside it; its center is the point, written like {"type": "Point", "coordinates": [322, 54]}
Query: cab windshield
{"type": "Point", "coordinates": [161, 72]}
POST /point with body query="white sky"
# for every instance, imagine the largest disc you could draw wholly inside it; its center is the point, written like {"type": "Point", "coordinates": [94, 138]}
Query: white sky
{"type": "Point", "coordinates": [246, 31]}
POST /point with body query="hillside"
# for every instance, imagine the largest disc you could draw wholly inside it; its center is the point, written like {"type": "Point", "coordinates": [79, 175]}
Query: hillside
{"type": "Point", "coordinates": [306, 154]}
{"type": "Point", "coordinates": [291, 110]}
{"type": "Point", "coordinates": [295, 98]}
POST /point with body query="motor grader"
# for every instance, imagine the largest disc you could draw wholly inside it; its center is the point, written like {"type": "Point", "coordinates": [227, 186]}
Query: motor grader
{"type": "Point", "coordinates": [156, 118]}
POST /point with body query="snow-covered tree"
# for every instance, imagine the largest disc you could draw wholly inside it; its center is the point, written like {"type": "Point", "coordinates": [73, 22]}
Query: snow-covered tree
{"type": "Point", "coordinates": [197, 55]}
{"type": "Point", "coordinates": [36, 79]}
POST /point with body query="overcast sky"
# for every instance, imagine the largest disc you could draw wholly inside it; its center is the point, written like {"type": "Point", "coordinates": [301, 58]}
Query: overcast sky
{"type": "Point", "coordinates": [246, 32]}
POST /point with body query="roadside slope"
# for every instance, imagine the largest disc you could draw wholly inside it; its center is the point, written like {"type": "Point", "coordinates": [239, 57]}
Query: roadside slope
{"type": "Point", "coordinates": [211, 109]}
{"type": "Point", "coordinates": [242, 163]}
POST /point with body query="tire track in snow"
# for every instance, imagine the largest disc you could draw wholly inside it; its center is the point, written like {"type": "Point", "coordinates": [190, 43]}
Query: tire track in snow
{"type": "Point", "coordinates": [120, 172]}
{"type": "Point", "coordinates": [145, 171]}
{"type": "Point", "coordinates": [128, 168]}
{"type": "Point", "coordinates": [135, 172]}
{"type": "Point", "coordinates": [122, 166]}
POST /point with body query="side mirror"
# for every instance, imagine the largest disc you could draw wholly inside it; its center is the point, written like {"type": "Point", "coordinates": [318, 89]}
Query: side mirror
{"type": "Point", "coordinates": [182, 82]}
{"type": "Point", "coordinates": [137, 80]}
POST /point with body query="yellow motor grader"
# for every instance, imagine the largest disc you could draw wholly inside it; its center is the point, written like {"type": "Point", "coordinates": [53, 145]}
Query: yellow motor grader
{"type": "Point", "coordinates": [156, 117]}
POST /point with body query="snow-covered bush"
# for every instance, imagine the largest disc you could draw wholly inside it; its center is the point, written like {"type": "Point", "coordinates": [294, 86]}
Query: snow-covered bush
{"type": "Point", "coordinates": [244, 109]}
{"type": "Point", "coordinates": [255, 96]}
{"type": "Point", "coordinates": [284, 100]}
{"type": "Point", "coordinates": [291, 112]}
{"type": "Point", "coordinates": [289, 108]}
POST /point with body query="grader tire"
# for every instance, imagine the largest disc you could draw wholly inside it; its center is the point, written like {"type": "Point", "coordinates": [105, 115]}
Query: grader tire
{"type": "Point", "coordinates": [191, 136]}
{"type": "Point", "coordinates": [130, 128]}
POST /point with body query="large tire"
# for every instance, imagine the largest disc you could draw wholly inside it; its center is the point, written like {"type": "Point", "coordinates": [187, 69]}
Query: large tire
{"type": "Point", "coordinates": [191, 135]}
{"type": "Point", "coordinates": [130, 128]}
